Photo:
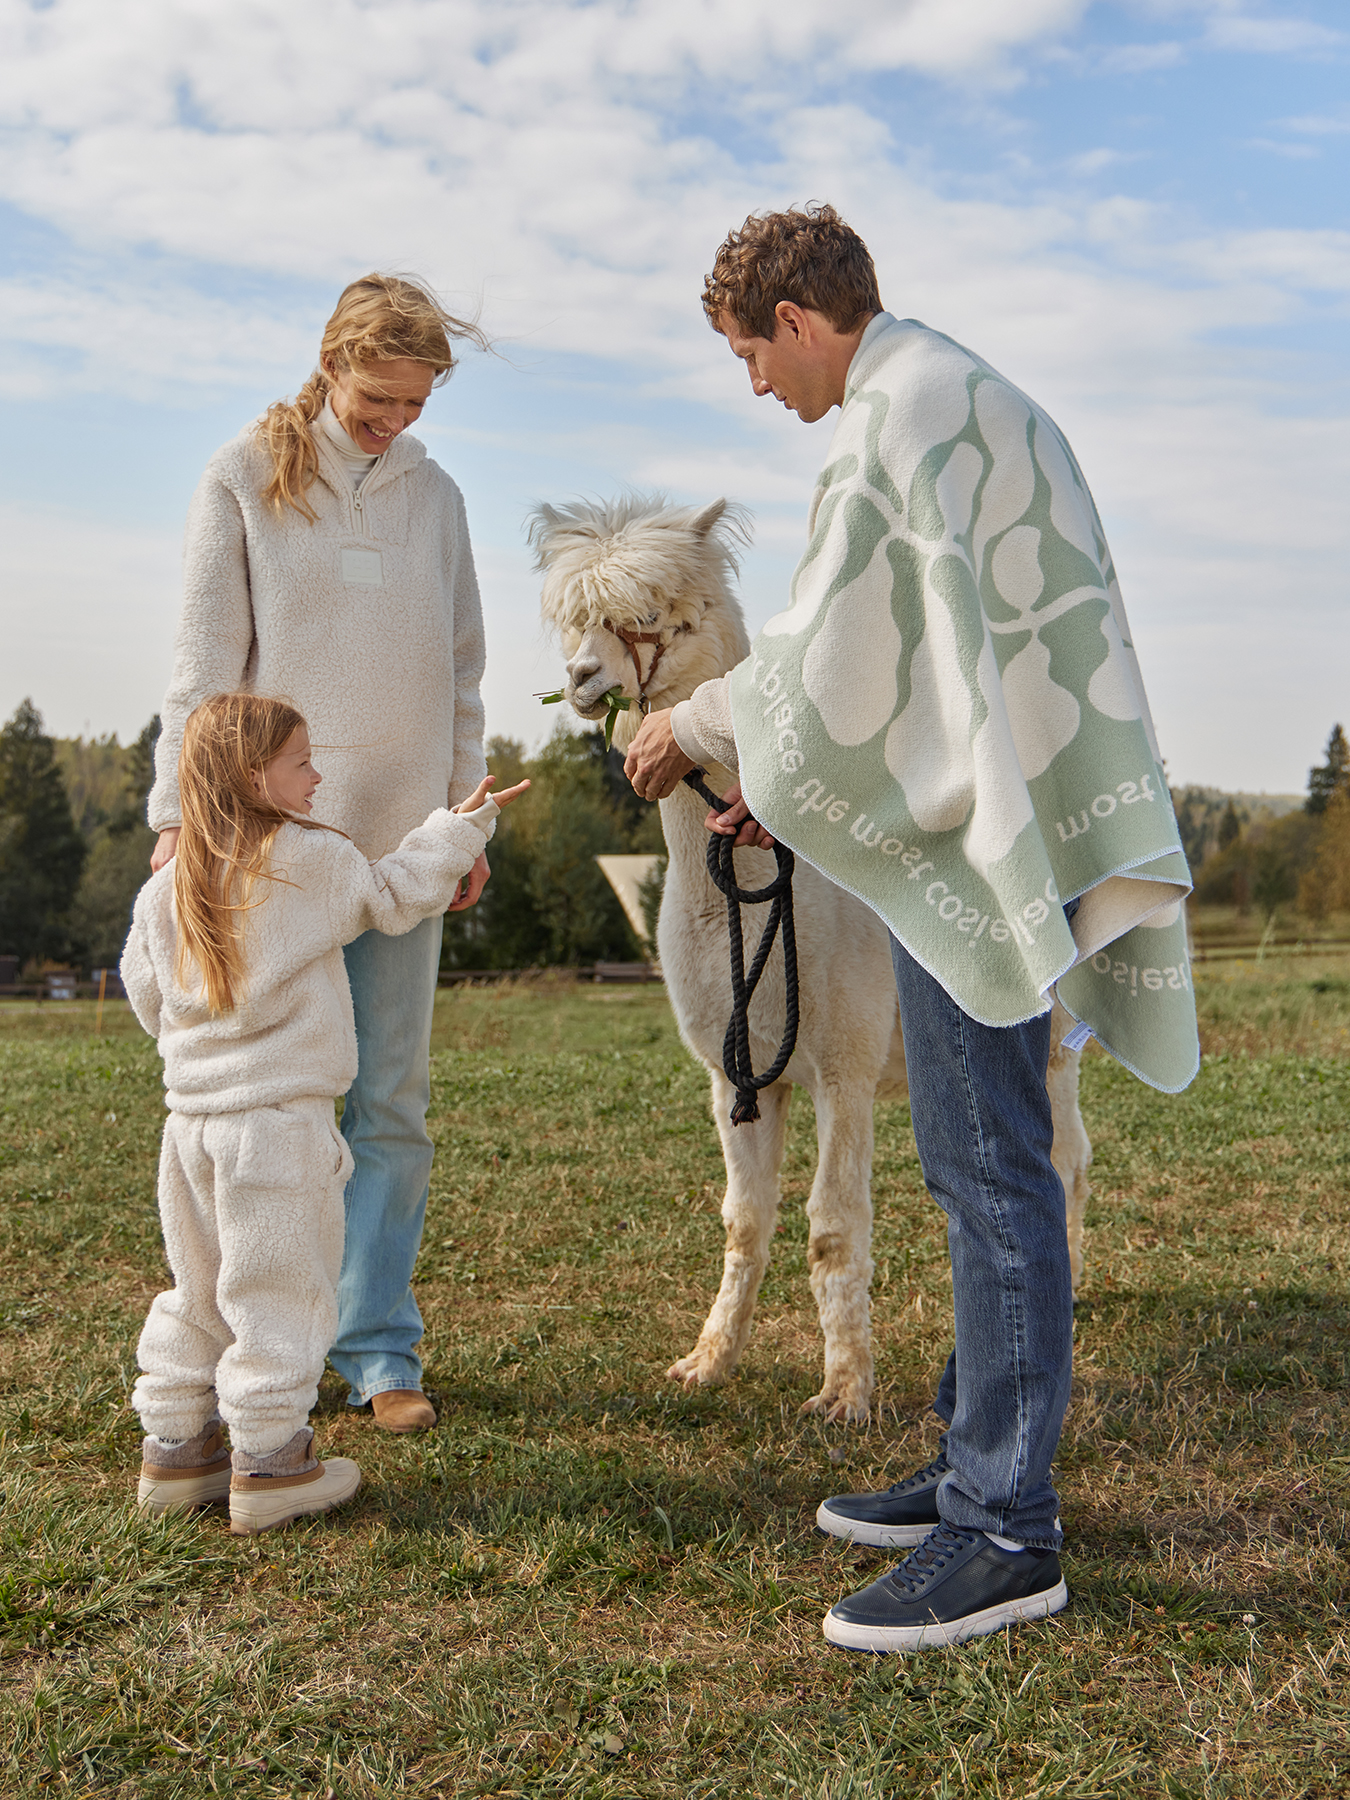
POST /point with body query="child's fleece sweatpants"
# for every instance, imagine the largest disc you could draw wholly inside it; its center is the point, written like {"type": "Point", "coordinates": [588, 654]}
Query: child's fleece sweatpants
{"type": "Point", "coordinates": [251, 1204]}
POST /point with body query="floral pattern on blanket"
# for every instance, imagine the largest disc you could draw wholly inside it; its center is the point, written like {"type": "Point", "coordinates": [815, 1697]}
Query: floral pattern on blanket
{"type": "Point", "coordinates": [949, 719]}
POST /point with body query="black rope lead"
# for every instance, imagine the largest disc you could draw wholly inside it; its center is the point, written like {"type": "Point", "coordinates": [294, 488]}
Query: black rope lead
{"type": "Point", "coordinates": [736, 1044]}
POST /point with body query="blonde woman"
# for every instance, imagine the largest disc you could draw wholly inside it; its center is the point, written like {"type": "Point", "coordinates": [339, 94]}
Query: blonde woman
{"type": "Point", "coordinates": [327, 561]}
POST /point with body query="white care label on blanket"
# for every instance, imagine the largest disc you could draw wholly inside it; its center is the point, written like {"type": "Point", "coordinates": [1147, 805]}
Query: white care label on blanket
{"type": "Point", "coordinates": [363, 568]}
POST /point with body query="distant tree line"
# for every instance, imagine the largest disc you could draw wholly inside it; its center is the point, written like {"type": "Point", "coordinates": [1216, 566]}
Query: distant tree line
{"type": "Point", "coordinates": [75, 849]}
{"type": "Point", "coordinates": [547, 903]}
{"type": "Point", "coordinates": [74, 845]}
{"type": "Point", "coordinates": [1256, 861]}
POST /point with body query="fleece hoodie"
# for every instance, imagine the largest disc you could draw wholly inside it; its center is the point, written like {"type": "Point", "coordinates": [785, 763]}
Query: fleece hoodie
{"type": "Point", "coordinates": [292, 1034]}
{"type": "Point", "coordinates": [367, 620]}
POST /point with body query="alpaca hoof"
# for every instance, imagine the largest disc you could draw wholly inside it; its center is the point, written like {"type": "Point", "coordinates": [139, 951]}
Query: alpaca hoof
{"type": "Point", "coordinates": [846, 1405]}
{"type": "Point", "coordinates": [694, 1371]}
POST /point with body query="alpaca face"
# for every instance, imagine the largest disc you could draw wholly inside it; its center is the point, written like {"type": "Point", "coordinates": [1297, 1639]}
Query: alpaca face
{"type": "Point", "coordinates": [644, 568]}
{"type": "Point", "coordinates": [600, 663]}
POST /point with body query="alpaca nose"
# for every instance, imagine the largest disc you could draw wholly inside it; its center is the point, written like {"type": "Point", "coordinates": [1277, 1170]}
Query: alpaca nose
{"type": "Point", "coordinates": [587, 680]}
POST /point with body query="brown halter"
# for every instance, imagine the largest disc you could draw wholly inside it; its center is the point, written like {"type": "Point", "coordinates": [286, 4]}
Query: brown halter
{"type": "Point", "coordinates": [633, 639]}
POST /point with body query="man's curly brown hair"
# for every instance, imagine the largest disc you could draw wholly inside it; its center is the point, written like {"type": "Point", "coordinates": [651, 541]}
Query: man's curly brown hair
{"type": "Point", "coordinates": [809, 257]}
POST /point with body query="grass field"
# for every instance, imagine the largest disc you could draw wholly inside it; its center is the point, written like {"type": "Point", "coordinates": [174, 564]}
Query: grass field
{"type": "Point", "coordinates": [586, 1582]}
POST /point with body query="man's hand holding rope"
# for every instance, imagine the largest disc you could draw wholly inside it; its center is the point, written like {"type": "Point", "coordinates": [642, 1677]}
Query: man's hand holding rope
{"type": "Point", "coordinates": [656, 765]}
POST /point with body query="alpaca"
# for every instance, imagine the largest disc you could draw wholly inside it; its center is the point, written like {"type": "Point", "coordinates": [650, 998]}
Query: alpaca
{"type": "Point", "coordinates": [640, 594]}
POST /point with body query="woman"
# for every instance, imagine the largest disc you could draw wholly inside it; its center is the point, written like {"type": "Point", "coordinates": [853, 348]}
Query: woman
{"type": "Point", "coordinates": [328, 562]}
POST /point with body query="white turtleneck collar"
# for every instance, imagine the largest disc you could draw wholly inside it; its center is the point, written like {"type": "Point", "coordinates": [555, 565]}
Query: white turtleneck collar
{"type": "Point", "coordinates": [354, 460]}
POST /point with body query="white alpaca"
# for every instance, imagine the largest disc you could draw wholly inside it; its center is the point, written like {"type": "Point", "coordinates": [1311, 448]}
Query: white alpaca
{"type": "Point", "coordinates": [660, 576]}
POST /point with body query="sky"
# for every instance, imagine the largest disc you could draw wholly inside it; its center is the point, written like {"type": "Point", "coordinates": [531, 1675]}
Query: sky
{"type": "Point", "coordinates": [1135, 209]}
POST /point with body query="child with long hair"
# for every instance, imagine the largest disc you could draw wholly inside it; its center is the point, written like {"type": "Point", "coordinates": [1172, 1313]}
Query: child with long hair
{"type": "Point", "coordinates": [234, 964]}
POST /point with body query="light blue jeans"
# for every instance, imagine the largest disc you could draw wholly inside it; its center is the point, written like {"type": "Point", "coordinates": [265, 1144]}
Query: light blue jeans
{"type": "Point", "coordinates": [393, 982]}
{"type": "Point", "coordinates": [983, 1129]}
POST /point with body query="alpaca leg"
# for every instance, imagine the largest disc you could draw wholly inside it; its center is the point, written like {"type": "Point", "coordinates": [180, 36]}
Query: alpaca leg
{"type": "Point", "coordinates": [754, 1155]}
{"type": "Point", "coordinates": [839, 1249]}
{"type": "Point", "coordinates": [1071, 1151]}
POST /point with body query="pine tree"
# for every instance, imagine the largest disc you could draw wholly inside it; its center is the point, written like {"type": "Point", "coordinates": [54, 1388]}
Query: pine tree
{"type": "Point", "coordinates": [41, 850]}
{"type": "Point", "coordinates": [119, 858]}
{"type": "Point", "coordinates": [1325, 887]}
{"type": "Point", "coordinates": [1230, 826]}
{"type": "Point", "coordinates": [1334, 774]}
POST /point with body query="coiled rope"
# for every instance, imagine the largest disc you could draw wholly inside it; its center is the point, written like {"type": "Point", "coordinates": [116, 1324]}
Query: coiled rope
{"type": "Point", "coordinates": [736, 1044]}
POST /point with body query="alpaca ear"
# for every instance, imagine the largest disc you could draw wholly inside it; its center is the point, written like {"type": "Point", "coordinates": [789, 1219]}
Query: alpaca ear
{"type": "Point", "coordinates": [703, 522]}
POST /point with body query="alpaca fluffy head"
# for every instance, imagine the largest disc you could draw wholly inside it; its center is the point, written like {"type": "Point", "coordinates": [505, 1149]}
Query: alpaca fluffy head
{"type": "Point", "coordinates": [640, 565]}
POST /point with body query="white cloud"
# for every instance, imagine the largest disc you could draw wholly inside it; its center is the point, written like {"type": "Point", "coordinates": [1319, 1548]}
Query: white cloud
{"type": "Point", "coordinates": [1094, 162]}
{"type": "Point", "coordinates": [1296, 261]}
{"type": "Point", "coordinates": [1317, 125]}
{"type": "Point", "coordinates": [1271, 37]}
{"type": "Point", "coordinates": [120, 337]}
{"type": "Point", "coordinates": [1295, 152]}
{"type": "Point", "coordinates": [1141, 59]}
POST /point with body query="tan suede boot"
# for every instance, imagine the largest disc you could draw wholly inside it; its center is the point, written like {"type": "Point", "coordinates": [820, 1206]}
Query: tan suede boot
{"type": "Point", "coordinates": [402, 1409]}
{"type": "Point", "coordinates": [268, 1491]}
{"type": "Point", "coordinates": [177, 1476]}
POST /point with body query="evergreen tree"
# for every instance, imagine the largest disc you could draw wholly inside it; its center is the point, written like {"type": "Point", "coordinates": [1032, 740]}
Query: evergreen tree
{"type": "Point", "coordinates": [1334, 775]}
{"type": "Point", "coordinates": [1325, 887]}
{"type": "Point", "coordinates": [120, 845]}
{"type": "Point", "coordinates": [41, 851]}
{"type": "Point", "coordinates": [1230, 826]}
{"type": "Point", "coordinates": [547, 902]}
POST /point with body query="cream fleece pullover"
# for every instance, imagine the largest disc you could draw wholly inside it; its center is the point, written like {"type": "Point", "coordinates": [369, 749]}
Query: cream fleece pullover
{"type": "Point", "coordinates": [292, 1035]}
{"type": "Point", "coordinates": [368, 621]}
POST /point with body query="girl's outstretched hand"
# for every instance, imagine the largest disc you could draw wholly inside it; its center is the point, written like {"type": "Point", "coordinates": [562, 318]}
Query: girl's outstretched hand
{"type": "Point", "coordinates": [480, 794]}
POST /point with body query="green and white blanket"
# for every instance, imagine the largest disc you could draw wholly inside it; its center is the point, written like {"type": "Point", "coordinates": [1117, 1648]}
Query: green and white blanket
{"type": "Point", "coordinates": [949, 720]}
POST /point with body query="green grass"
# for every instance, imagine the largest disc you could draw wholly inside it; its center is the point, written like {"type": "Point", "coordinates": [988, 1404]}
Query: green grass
{"type": "Point", "coordinates": [586, 1582]}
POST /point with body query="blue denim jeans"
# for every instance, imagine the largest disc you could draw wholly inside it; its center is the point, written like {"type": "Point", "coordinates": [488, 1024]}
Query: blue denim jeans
{"type": "Point", "coordinates": [393, 981]}
{"type": "Point", "coordinates": [983, 1129]}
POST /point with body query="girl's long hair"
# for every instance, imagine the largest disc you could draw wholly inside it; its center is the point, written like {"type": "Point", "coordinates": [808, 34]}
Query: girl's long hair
{"type": "Point", "coordinates": [226, 837]}
{"type": "Point", "coordinates": [377, 319]}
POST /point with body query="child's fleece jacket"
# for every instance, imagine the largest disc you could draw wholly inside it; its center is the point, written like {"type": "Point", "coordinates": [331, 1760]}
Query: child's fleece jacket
{"type": "Point", "coordinates": [291, 1036]}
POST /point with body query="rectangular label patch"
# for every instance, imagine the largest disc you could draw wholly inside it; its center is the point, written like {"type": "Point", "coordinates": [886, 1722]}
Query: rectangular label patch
{"type": "Point", "coordinates": [363, 568]}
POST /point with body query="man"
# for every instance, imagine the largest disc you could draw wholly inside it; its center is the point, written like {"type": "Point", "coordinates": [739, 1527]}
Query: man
{"type": "Point", "coordinates": [948, 720]}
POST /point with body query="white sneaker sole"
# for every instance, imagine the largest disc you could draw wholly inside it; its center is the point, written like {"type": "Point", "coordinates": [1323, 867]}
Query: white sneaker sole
{"type": "Point", "coordinates": [877, 1537]}
{"type": "Point", "coordinates": [252, 1512]}
{"type": "Point", "coordinates": [883, 1638]}
{"type": "Point", "coordinates": [155, 1495]}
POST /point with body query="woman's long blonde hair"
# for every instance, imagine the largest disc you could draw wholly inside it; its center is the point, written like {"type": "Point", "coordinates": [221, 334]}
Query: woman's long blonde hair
{"type": "Point", "coordinates": [377, 319]}
{"type": "Point", "coordinates": [226, 838]}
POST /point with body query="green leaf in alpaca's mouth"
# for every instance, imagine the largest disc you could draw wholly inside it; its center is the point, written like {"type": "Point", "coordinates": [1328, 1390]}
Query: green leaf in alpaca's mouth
{"type": "Point", "coordinates": [616, 700]}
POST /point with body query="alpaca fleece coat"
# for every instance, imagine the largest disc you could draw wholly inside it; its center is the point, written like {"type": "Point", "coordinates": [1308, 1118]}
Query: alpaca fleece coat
{"type": "Point", "coordinates": [368, 621]}
{"type": "Point", "coordinates": [291, 1036]}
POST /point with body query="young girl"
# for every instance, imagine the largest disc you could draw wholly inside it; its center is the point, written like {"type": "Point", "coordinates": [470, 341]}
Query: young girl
{"type": "Point", "coordinates": [235, 964]}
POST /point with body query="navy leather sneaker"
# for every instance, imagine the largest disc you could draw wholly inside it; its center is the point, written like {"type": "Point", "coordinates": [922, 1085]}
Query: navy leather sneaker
{"type": "Point", "coordinates": [893, 1520]}
{"type": "Point", "coordinates": [956, 1585]}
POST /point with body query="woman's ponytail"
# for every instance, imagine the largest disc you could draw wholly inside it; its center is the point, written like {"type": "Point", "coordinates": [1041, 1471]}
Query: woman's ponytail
{"type": "Point", "coordinates": [286, 429]}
